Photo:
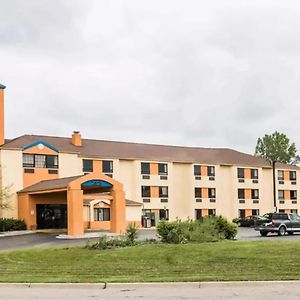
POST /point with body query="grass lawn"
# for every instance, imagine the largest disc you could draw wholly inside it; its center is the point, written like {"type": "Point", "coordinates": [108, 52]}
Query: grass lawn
{"type": "Point", "coordinates": [259, 260]}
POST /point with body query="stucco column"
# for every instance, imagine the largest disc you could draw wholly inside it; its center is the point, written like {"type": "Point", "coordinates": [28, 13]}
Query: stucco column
{"type": "Point", "coordinates": [75, 212]}
{"type": "Point", "coordinates": [117, 212]}
{"type": "Point", "coordinates": [27, 210]}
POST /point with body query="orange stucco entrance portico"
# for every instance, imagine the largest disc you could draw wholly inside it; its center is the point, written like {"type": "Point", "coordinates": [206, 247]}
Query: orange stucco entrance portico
{"type": "Point", "coordinates": [70, 191]}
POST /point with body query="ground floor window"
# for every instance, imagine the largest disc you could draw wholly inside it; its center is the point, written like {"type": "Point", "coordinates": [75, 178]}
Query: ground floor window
{"type": "Point", "coordinates": [198, 214]}
{"type": "Point", "coordinates": [242, 213]}
{"type": "Point", "coordinates": [255, 212]}
{"type": "Point", "coordinates": [101, 214]}
{"type": "Point", "coordinates": [164, 214]}
{"type": "Point", "coordinates": [211, 212]}
{"type": "Point", "coordinates": [294, 211]}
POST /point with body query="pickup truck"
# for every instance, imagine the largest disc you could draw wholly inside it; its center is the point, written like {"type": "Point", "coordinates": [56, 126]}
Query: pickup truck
{"type": "Point", "coordinates": [280, 223]}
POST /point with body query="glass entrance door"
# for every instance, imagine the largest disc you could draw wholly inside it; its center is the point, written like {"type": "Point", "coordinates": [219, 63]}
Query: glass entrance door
{"type": "Point", "coordinates": [51, 216]}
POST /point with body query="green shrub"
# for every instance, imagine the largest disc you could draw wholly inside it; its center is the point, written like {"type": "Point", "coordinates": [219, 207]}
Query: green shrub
{"type": "Point", "coordinates": [105, 242]}
{"type": "Point", "coordinates": [10, 224]}
{"type": "Point", "coordinates": [207, 229]}
{"type": "Point", "coordinates": [228, 229]}
{"type": "Point", "coordinates": [131, 233]}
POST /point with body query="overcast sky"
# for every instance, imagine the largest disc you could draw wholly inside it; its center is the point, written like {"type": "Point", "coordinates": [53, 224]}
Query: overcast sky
{"type": "Point", "coordinates": [196, 73]}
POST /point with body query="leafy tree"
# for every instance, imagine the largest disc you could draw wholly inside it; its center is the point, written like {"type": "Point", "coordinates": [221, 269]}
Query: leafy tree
{"type": "Point", "coordinates": [4, 198]}
{"type": "Point", "coordinates": [276, 148]}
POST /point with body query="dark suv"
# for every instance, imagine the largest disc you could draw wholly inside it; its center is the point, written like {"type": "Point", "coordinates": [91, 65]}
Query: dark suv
{"type": "Point", "coordinates": [279, 223]}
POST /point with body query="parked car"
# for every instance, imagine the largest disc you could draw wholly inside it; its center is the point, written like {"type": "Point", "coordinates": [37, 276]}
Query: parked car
{"type": "Point", "coordinates": [279, 223]}
{"type": "Point", "coordinates": [263, 219]}
{"type": "Point", "coordinates": [246, 221]}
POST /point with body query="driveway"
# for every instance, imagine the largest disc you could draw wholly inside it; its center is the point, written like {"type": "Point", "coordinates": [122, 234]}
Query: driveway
{"type": "Point", "coordinates": [37, 240]}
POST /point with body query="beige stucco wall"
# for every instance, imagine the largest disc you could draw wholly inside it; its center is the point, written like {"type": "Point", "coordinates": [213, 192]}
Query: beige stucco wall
{"type": "Point", "coordinates": [133, 213]}
{"type": "Point", "coordinates": [12, 177]}
{"type": "Point", "coordinates": [69, 165]}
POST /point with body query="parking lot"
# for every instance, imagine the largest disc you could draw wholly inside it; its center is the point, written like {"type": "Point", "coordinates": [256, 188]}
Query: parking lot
{"type": "Point", "coordinates": [36, 240]}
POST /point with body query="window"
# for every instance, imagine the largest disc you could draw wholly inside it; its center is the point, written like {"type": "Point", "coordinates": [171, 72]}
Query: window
{"type": "Point", "coordinates": [28, 160]}
{"type": "Point", "coordinates": [211, 212]}
{"type": "Point", "coordinates": [164, 214]}
{"type": "Point", "coordinates": [40, 161]}
{"type": "Point", "coordinates": [255, 194]}
{"type": "Point", "coordinates": [198, 192]}
{"type": "Point", "coordinates": [293, 195]}
{"type": "Point", "coordinates": [255, 212]}
{"type": "Point", "coordinates": [163, 192]}
{"type": "Point", "coordinates": [281, 194]}
{"type": "Point", "coordinates": [280, 175]}
{"type": "Point", "coordinates": [198, 214]}
{"type": "Point", "coordinates": [162, 169]}
{"type": "Point", "coordinates": [197, 170]}
{"type": "Point", "coordinates": [241, 173]}
{"type": "Point", "coordinates": [241, 193]}
{"type": "Point", "coordinates": [145, 168]}
{"type": "Point", "coordinates": [242, 213]}
{"type": "Point", "coordinates": [52, 161]}
{"type": "Point", "coordinates": [101, 214]}
{"type": "Point", "coordinates": [294, 211]}
{"type": "Point", "coordinates": [293, 175]}
{"type": "Point", "coordinates": [211, 193]}
{"type": "Point", "coordinates": [254, 173]}
{"type": "Point", "coordinates": [107, 166]}
{"type": "Point", "coordinates": [211, 171]}
{"type": "Point", "coordinates": [146, 191]}
{"type": "Point", "coordinates": [87, 165]}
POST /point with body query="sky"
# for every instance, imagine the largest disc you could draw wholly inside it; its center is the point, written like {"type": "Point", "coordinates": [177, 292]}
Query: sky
{"type": "Point", "coordinates": [195, 73]}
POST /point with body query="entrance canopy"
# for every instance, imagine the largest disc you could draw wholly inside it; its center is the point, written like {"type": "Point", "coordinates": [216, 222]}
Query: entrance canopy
{"type": "Point", "coordinates": [72, 191]}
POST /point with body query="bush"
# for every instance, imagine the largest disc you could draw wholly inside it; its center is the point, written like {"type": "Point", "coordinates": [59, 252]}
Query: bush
{"type": "Point", "coordinates": [125, 240]}
{"type": "Point", "coordinates": [207, 229]}
{"type": "Point", "coordinates": [228, 229]}
{"type": "Point", "coordinates": [11, 224]}
{"type": "Point", "coordinates": [131, 233]}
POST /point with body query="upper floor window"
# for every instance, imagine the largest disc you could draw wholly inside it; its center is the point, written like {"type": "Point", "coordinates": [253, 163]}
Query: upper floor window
{"type": "Point", "coordinates": [280, 175]}
{"type": "Point", "coordinates": [293, 175]}
{"type": "Point", "coordinates": [145, 191]}
{"type": "Point", "coordinates": [145, 168]}
{"type": "Point", "coordinates": [107, 166]}
{"type": "Point", "coordinates": [255, 194]}
{"type": "Point", "coordinates": [198, 192]}
{"type": "Point", "coordinates": [254, 173]}
{"type": "Point", "coordinates": [241, 173]}
{"type": "Point", "coordinates": [40, 161]}
{"type": "Point", "coordinates": [241, 193]}
{"type": "Point", "coordinates": [197, 170]}
{"type": "Point", "coordinates": [87, 165]}
{"type": "Point", "coordinates": [210, 171]}
{"type": "Point", "coordinates": [162, 169]}
{"type": "Point", "coordinates": [293, 194]}
{"type": "Point", "coordinates": [281, 194]}
{"type": "Point", "coordinates": [163, 191]}
{"type": "Point", "coordinates": [211, 193]}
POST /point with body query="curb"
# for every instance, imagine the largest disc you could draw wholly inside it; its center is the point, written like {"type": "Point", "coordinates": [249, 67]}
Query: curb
{"type": "Point", "coordinates": [137, 285]}
{"type": "Point", "coordinates": [16, 233]}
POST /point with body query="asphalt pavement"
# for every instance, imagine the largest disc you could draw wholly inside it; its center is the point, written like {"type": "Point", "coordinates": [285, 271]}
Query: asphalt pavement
{"type": "Point", "coordinates": [36, 240]}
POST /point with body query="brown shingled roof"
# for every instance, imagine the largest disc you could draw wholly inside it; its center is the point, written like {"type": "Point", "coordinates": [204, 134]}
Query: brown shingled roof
{"type": "Point", "coordinates": [123, 150]}
{"type": "Point", "coordinates": [51, 184]}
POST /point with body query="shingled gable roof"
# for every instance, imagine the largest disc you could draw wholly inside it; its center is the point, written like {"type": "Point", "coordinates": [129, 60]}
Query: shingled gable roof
{"type": "Point", "coordinates": [123, 150]}
{"type": "Point", "coordinates": [51, 184]}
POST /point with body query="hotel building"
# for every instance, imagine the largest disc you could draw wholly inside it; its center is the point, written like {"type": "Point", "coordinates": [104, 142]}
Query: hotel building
{"type": "Point", "coordinates": [78, 184]}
